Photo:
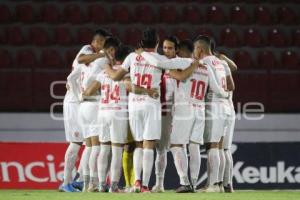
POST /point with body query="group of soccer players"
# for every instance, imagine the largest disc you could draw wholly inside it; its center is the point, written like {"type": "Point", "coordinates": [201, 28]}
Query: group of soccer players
{"type": "Point", "coordinates": [126, 104]}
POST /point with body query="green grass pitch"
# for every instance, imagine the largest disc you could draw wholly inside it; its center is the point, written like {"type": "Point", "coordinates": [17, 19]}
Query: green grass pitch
{"type": "Point", "coordinates": [169, 195]}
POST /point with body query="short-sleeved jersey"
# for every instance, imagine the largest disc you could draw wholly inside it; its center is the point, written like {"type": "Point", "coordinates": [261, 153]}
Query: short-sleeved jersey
{"type": "Point", "coordinates": [142, 73]}
{"type": "Point", "coordinates": [113, 93]}
{"type": "Point", "coordinates": [194, 88]}
{"type": "Point", "coordinates": [219, 73]}
{"type": "Point", "coordinates": [71, 94]}
{"type": "Point", "coordinates": [228, 73]}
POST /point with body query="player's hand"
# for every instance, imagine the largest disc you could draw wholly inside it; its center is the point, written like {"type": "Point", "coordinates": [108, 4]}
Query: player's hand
{"type": "Point", "coordinates": [139, 51]}
{"type": "Point", "coordinates": [195, 64]}
{"type": "Point", "coordinates": [153, 93]}
{"type": "Point", "coordinates": [81, 97]}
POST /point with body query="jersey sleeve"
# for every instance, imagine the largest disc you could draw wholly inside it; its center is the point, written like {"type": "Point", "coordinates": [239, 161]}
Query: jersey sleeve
{"type": "Point", "coordinates": [213, 84]}
{"type": "Point", "coordinates": [99, 78]}
{"type": "Point", "coordinates": [126, 64]}
{"type": "Point", "coordinates": [87, 49]}
{"type": "Point", "coordinates": [96, 67]}
{"type": "Point", "coordinates": [227, 69]}
{"type": "Point", "coordinates": [164, 63]}
{"type": "Point", "coordinates": [72, 80]}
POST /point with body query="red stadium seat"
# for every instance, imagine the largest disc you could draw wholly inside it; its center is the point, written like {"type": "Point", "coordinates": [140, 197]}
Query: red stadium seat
{"type": "Point", "coordinates": [229, 37]}
{"type": "Point", "coordinates": [162, 34]}
{"type": "Point", "coordinates": [243, 59]}
{"type": "Point", "coordinates": [50, 59]}
{"type": "Point", "coordinates": [73, 14]}
{"type": "Point", "coordinates": [296, 37]}
{"type": "Point", "coordinates": [266, 60]}
{"type": "Point", "coordinates": [62, 36]}
{"type": "Point", "coordinates": [16, 97]}
{"type": "Point", "coordinates": [203, 31]}
{"type": "Point", "coordinates": [24, 13]}
{"type": "Point", "coordinates": [262, 15]}
{"type": "Point", "coordinates": [120, 14]}
{"type": "Point", "coordinates": [191, 14]}
{"type": "Point", "coordinates": [84, 36]}
{"type": "Point", "coordinates": [215, 15]}
{"type": "Point", "coordinates": [290, 60]}
{"type": "Point", "coordinates": [38, 36]}
{"type": "Point", "coordinates": [14, 36]}
{"type": "Point", "coordinates": [26, 59]}
{"type": "Point", "coordinates": [6, 59]}
{"type": "Point", "coordinates": [50, 13]}
{"type": "Point", "coordinates": [286, 15]}
{"type": "Point", "coordinates": [132, 36]}
{"type": "Point", "coordinates": [97, 14]}
{"type": "Point", "coordinates": [144, 14]}
{"type": "Point", "coordinates": [253, 38]}
{"type": "Point", "coordinates": [238, 15]}
{"type": "Point", "coordinates": [251, 88]}
{"type": "Point", "coordinates": [42, 81]}
{"type": "Point", "coordinates": [70, 56]}
{"type": "Point", "coordinates": [181, 33]}
{"type": "Point", "coordinates": [284, 95]}
{"type": "Point", "coordinates": [276, 38]}
{"type": "Point", "coordinates": [5, 14]}
{"type": "Point", "coordinates": [168, 14]}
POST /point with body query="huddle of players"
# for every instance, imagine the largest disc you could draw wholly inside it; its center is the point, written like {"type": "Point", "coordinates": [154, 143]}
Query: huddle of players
{"type": "Point", "coordinates": [111, 85]}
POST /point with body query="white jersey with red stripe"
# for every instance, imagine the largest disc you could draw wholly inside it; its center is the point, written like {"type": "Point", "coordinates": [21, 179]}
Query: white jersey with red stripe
{"type": "Point", "coordinates": [113, 93]}
{"type": "Point", "coordinates": [193, 89]}
{"type": "Point", "coordinates": [71, 95]}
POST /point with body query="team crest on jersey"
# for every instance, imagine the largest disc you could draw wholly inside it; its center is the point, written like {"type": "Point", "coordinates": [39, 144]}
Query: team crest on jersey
{"type": "Point", "coordinates": [76, 134]}
{"type": "Point", "coordinates": [139, 58]}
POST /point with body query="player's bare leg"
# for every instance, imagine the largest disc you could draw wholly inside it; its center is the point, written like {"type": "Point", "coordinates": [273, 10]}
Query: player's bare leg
{"type": "Point", "coordinates": [85, 163]}
{"type": "Point", "coordinates": [138, 165]}
{"type": "Point", "coordinates": [181, 164]}
{"type": "Point", "coordinates": [103, 164]}
{"type": "Point", "coordinates": [222, 165]}
{"type": "Point", "coordinates": [195, 162]}
{"type": "Point", "coordinates": [93, 185]}
{"type": "Point", "coordinates": [116, 165]}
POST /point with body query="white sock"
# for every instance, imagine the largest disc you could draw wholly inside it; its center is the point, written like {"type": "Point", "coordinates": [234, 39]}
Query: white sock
{"type": "Point", "coordinates": [180, 160]}
{"type": "Point", "coordinates": [195, 162]}
{"type": "Point", "coordinates": [148, 159]}
{"type": "Point", "coordinates": [116, 164]}
{"type": "Point", "coordinates": [85, 165]}
{"type": "Point", "coordinates": [214, 165]}
{"type": "Point", "coordinates": [70, 159]}
{"type": "Point", "coordinates": [138, 162]}
{"type": "Point", "coordinates": [222, 165]}
{"type": "Point", "coordinates": [80, 172]}
{"type": "Point", "coordinates": [160, 166]}
{"type": "Point", "coordinates": [93, 164]}
{"type": "Point", "coordinates": [207, 168]}
{"type": "Point", "coordinates": [228, 168]}
{"type": "Point", "coordinates": [103, 164]}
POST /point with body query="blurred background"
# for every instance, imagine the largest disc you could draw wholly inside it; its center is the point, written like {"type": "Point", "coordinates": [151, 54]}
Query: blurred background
{"type": "Point", "coordinates": [39, 40]}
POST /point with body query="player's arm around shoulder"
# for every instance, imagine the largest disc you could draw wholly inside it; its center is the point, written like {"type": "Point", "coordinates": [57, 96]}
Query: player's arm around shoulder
{"type": "Point", "coordinates": [182, 75]}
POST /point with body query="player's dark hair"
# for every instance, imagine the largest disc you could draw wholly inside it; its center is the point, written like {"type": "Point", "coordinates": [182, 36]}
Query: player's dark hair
{"type": "Point", "coordinates": [112, 42]}
{"type": "Point", "coordinates": [203, 38]}
{"type": "Point", "coordinates": [149, 38]}
{"type": "Point", "coordinates": [122, 52]}
{"type": "Point", "coordinates": [173, 39]}
{"type": "Point", "coordinates": [186, 44]}
{"type": "Point", "coordinates": [102, 32]}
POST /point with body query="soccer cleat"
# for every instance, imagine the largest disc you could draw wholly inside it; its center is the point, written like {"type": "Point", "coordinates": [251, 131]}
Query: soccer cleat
{"type": "Point", "coordinates": [103, 188]}
{"type": "Point", "coordinates": [78, 185]}
{"type": "Point", "coordinates": [137, 186]}
{"type": "Point", "coordinates": [210, 189]}
{"type": "Point", "coordinates": [228, 188]}
{"type": "Point", "coordinates": [67, 188]}
{"type": "Point", "coordinates": [158, 189]}
{"type": "Point", "coordinates": [145, 189]}
{"type": "Point", "coordinates": [185, 189]}
{"type": "Point", "coordinates": [92, 188]}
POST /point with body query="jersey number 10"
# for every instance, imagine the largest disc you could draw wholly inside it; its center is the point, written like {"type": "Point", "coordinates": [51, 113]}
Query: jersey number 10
{"type": "Point", "coordinates": [198, 89]}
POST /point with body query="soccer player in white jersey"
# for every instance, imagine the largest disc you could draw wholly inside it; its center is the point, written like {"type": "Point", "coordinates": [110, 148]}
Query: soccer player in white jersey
{"type": "Point", "coordinates": [144, 111]}
{"type": "Point", "coordinates": [170, 45]}
{"type": "Point", "coordinates": [88, 115]}
{"type": "Point", "coordinates": [230, 66]}
{"type": "Point", "coordinates": [217, 110]}
{"type": "Point", "coordinates": [88, 53]}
